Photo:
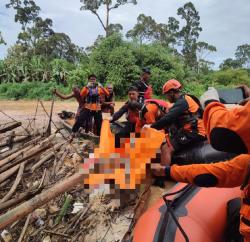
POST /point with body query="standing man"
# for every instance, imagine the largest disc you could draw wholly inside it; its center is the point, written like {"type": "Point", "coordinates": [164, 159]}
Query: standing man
{"type": "Point", "coordinates": [92, 108]}
{"type": "Point", "coordinates": [108, 103]}
{"type": "Point", "coordinates": [74, 94]}
{"type": "Point", "coordinates": [143, 86]}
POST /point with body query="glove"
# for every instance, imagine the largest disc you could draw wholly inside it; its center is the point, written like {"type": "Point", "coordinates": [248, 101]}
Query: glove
{"type": "Point", "coordinates": [210, 95]}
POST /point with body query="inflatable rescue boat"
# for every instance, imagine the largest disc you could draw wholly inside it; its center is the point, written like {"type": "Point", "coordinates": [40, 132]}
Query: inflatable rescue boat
{"type": "Point", "coordinates": [187, 213]}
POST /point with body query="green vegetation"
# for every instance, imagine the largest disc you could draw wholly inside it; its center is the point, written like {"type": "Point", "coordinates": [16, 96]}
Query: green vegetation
{"type": "Point", "coordinates": [29, 90]}
{"type": "Point", "coordinates": [43, 59]}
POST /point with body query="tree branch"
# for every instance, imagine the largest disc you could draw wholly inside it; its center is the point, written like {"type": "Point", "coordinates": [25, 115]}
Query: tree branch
{"type": "Point", "coordinates": [98, 16]}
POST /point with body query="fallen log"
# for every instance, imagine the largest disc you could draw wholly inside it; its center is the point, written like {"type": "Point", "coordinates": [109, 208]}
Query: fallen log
{"type": "Point", "coordinates": [38, 149]}
{"type": "Point", "coordinates": [5, 149]}
{"type": "Point", "coordinates": [8, 173]}
{"type": "Point", "coordinates": [60, 161]}
{"type": "Point", "coordinates": [34, 153]}
{"type": "Point", "coordinates": [8, 127]}
{"type": "Point", "coordinates": [15, 184]}
{"type": "Point", "coordinates": [27, 207]}
{"type": "Point", "coordinates": [35, 140]}
{"type": "Point", "coordinates": [14, 156]}
{"type": "Point", "coordinates": [8, 141]}
{"type": "Point", "coordinates": [21, 139]}
{"type": "Point", "coordinates": [20, 147]}
{"type": "Point", "coordinates": [49, 154]}
{"type": "Point", "coordinates": [20, 198]}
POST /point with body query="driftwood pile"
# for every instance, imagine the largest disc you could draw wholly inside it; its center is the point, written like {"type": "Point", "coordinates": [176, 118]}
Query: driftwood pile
{"type": "Point", "coordinates": [30, 161]}
{"type": "Point", "coordinates": [39, 196]}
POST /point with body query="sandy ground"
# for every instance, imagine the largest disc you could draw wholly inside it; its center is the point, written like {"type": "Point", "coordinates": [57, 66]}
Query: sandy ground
{"type": "Point", "coordinates": [23, 110]}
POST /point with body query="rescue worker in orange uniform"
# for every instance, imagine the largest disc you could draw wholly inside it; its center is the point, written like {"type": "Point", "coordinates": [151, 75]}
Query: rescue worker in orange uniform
{"type": "Point", "coordinates": [228, 130]}
{"type": "Point", "coordinates": [92, 108]}
{"type": "Point", "coordinates": [183, 121]}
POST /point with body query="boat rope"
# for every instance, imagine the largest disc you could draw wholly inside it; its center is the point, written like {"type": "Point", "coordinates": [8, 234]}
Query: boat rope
{"type": "Point", "coordinates": [171, 204]}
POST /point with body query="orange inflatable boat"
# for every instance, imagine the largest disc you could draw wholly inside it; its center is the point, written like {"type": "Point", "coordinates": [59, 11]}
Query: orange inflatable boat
{"type": "Point", "coordinates": [195, 215]}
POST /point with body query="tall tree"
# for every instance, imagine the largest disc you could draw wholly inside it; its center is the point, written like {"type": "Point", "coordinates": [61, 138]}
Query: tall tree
{"type": "Point", "coordinates": [148, 30]}
{"type": "Point", "coordinates": [144, 30]}
{"type": "Point", "coordinates": [242, 55]}
{"type": "Point", "coordinates": [26, 11]}
{"type": "Point", "coordinates": [173, 31]}
{"type": "Point", "coordinates": [40, 30]}
{"type": "Point", "coordinates": [94, 5]}
{"type": "Point", "coordinates": [189, 33]}
{"type": "Point", "coordinates": [230, 63]}
{"type": "Point", "coordinates": [203, 49]}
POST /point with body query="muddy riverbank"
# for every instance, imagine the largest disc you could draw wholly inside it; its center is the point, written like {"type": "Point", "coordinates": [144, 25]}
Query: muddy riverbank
{"type": "Point", "coordinates": [23, 110]}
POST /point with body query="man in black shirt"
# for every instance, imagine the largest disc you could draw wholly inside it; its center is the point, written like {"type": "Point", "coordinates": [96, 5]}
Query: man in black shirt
{"type": "Point", "coordinates": [144, 89]}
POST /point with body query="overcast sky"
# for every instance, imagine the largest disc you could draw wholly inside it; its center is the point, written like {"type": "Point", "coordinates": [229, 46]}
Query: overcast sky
{"type": "Point", "coordinates": [225, 23]}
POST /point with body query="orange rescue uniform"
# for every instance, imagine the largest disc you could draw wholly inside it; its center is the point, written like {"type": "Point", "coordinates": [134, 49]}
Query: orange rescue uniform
{"type": "Point", "coordinates": [96, 105]}
{"type": "Point", "coordinates": [232, 173]}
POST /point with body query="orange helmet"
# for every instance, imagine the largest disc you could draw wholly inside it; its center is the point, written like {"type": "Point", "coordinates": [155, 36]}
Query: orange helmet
{"type": "Point", "coordinates": [171, 84]}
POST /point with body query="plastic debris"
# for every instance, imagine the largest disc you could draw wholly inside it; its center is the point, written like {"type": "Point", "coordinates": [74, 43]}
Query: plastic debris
{"type": "Point", "coordinates": [77, 207]}
{"type": "Point", "coordinates": [6, 236]}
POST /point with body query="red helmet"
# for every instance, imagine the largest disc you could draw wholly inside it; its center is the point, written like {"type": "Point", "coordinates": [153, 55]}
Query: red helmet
{"type": "Point", "coordinates": [171, 84]}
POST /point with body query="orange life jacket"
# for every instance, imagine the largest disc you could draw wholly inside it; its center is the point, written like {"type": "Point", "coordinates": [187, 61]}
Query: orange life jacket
{"type": "Point", "coordinates": [93, 96]}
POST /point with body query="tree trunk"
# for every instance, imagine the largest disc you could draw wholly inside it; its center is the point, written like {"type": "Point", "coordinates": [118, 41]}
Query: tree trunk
{"type": "Point", "coordinates": [5, 128]}
{"type": "Point", "coordinates": [24, 209]}
{"type": "Point", "coordinates": [107, 18]}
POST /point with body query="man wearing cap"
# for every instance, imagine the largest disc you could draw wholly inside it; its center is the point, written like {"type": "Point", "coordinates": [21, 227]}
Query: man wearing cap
{"type": "Point", "coordinates": [144, 89]}
{"type": "Point", "coordinates": [183, 121]}
{"type": "Point", "coordinates": [228, 131]}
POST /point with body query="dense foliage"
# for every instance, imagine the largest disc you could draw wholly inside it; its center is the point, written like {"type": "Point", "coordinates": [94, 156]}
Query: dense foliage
{"type": "Point", "coordinates": [42, 59]}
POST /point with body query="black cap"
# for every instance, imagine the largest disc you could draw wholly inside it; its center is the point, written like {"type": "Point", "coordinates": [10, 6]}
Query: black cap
{"type": "Point", "coordinates": [146, 70]}
{"type": "Point", "coordinates": [91, 75]}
